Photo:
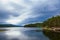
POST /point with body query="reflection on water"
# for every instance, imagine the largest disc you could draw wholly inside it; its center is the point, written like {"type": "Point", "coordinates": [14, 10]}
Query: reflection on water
{"type": "Point", "coordinates": [52, 35]}
{"type": "Point", "coordinates": [21, 33]}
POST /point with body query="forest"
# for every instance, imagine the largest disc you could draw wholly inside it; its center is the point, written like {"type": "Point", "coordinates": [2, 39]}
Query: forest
{"type": "Point", "coordinates": [50, 22]}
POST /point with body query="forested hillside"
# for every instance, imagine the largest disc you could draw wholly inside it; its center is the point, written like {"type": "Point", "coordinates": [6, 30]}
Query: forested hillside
{"type": "Point", "coordinates": [50, 22]}
{"type": "Point", "coordinates": [33, 25]}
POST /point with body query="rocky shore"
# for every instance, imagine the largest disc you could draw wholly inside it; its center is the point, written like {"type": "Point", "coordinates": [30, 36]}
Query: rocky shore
{"type": "Point", "coordinates": [52, 29]}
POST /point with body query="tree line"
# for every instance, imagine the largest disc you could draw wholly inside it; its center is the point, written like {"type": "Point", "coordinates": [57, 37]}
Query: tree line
{"type": "Point", "coordinates": [50, 22]}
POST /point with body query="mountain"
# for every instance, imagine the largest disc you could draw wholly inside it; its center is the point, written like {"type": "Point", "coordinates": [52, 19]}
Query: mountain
{"type": "Point", "coordinates": [9, 25]}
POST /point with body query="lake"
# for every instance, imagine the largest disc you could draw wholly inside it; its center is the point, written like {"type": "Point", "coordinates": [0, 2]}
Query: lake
{"type": "Point", "coordinates": [21, 33]}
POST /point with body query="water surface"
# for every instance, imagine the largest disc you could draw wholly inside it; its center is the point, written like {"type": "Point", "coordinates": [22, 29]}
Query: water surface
{"type": "Point", "coordinates": [21, 33]}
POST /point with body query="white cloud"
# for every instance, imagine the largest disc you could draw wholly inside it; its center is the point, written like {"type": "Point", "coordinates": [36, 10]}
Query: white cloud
{"type": "Point", "coordinates": [25, 12]}
{"type": "Point", "coordinates": [21, 18]}
{"type": "Point", "coordinates": [15, 20]}
{"type": "Point", "coordinates": [4, 1]}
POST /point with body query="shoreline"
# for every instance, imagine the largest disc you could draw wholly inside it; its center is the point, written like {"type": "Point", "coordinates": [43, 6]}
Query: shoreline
{"type": "Point", "coordinates": [52, 29]}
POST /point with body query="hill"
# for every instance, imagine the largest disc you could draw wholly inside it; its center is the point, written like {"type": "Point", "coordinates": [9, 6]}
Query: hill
{"type": "Point", "coordinates": [34, 25]}
{"type": "Point", "coordinates": [8, 25]}
{"type": "Point", "coordinates": [50, 22]}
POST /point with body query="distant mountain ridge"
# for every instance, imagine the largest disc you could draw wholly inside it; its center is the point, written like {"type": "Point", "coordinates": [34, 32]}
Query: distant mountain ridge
{"type": "Point", "coordinates": [9, 25]}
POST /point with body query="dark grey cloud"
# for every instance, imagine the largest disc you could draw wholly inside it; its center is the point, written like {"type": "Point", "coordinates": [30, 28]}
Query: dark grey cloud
{"type": "Point", "coordinates": [28, 11]}
{"type": "Point", "coordinates": [47, 10]}
{"type": "Point", "coordinates": [3, 14]}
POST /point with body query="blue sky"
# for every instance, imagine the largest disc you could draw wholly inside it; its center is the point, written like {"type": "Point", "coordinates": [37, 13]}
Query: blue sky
{"type": "Point", "coordinates": [27, 11]}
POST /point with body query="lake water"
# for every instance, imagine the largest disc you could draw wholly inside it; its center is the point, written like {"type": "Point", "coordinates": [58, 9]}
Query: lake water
{"type": "Point", "coordinates": [21, 33]}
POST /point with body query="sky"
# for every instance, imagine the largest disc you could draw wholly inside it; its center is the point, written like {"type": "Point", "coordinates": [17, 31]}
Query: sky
{"type": "Point", "coordinates": [21, 12]}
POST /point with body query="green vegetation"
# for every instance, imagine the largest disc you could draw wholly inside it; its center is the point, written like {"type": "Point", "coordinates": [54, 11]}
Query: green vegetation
{"type": "Point", "coordinates": [51, 22]}
{"type": "Point", "coordinates": [33, 25]}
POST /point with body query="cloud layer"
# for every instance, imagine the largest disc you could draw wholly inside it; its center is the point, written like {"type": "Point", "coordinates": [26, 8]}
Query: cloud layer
{"type": "Point", "coordinates": [27, 11]}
